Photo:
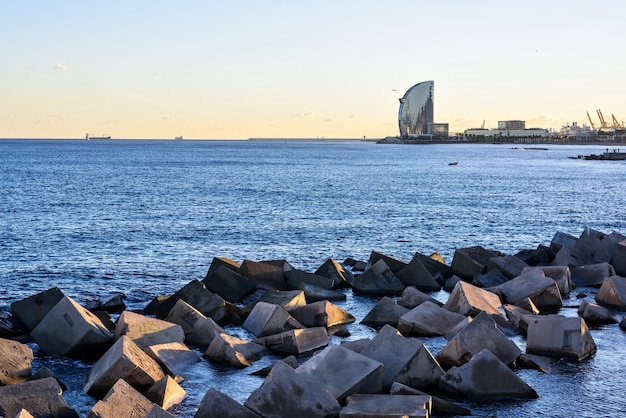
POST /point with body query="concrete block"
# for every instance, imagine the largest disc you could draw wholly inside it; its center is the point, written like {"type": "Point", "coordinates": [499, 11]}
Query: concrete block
{"type": "Point", "coordinates": [297, 341]}
{"type": "Point", "coordinates": [218, 262]}
{"type": "Point", "coordinates": [471, 261]}
{"type": "Point", "coordinates": [288, 300]}
{"type": "Point", "coordinates": [15, 362]}
{"type": "Point", "coordinates": [122, 400]}
{"type": "Point", "coordinates": [386, 406]}
{"type": "Point", "coordinates": [416, 274]}
{"type": "Point", "coordinates": [233, 351]}
{"type": "Point", "coordinates": [28, 312]}
{"type": "Point", "coordinates": [172, 357]}
{"type": "Point", "coordinates": [385, 312]}
{"type": "Point", "coordinates": [315, 294]}
{"type": "Point", "coordinates": [269, 319]}
{"type": "Point", "coordinates": [439, 407]}
{"type": "Point", "coordinates": [533, 284]}
{"type": "Point", "coordinates": [469, 300]}
{"type": "Point", "coordinates": [509, 265]}
{"type": "Point", "coordinates": [613, 292]}
{"type": "Point", "coordinates": [436, 266]}
{"type": "Point", "coordinates": [561, 239]}
{"type": "Point", "coordinates": [378, 279]}
{"type": "Point", "coordinates": [412, 297]}
{"type": "Point", "coordinates": [41, 398]}
{"type": "Point", "coordinates": [229, 284]}
{"type": "Point", "coordinates": [216, 404]}
{"type": "Point", "coordinates": [558, 336]}
{"type": "Point", "coordinates": [198, 296]}
{"type": "Point", "coordinates": [334, 271]}
{"type": "Point", "coordinates": [428, 319]}
{"type": "Point", "coordinates": [596, 314]}
{"type": "Point", "coordinates": [618, 258]}
{"type": "Point", "coordinates": [394, 264]}
{"type": "Point", "coordinates": [321, 314]}
{"type": "Point", "coordinates": [591, 274]}
{"type": "Point", "coordinates": [560, 274]}
{"type": "Point", "coordinates": [198, 329]}
{"type": "Point", "coordinates": [295, 278]}
{"type": "Point", "coordinates": [598, 245]}
{"type": "Point", "coordinates": [166, 393]}
{"type": "Point", "coordinates": [265, 275]}
{"type": "Point", "coordinates": [146, 331]}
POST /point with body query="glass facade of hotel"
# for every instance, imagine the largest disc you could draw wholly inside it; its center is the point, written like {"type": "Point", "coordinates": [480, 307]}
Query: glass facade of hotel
{"type": "Point", "coordinates": [417, 109]}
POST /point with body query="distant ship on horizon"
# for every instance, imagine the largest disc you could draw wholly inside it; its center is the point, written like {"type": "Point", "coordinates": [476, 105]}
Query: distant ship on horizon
{"type": "Point", "coordinates": [88, 138]}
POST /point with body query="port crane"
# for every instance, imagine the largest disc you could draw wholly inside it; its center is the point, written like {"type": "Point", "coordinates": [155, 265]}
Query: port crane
{"type": "Point", "coordinates": [593, 126]}
{"type": "Point", "coordinates": [603, 124]}
{"type": "Point", "coordinates": [616, 123]}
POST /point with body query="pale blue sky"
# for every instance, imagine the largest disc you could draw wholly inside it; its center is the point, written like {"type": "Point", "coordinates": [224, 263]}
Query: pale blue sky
{"type": "Point", "coordinates": [239, 69]}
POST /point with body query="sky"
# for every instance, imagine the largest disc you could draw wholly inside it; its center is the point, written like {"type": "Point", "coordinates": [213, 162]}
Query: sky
{"type": "Point", "coordinates": [303, 69]}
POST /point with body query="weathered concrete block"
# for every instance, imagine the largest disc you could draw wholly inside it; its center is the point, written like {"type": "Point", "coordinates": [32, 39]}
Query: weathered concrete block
{"type": "Point", "coordinates": [618, 258]}
{"type": "Point", "coordinates": [295, 278]}
{"type": "Point", "coordinates": [439, 407]}
{"type": "Point", "coordinates": [519, 317]}
{"type": "Point", "coordinates": [598, 245]}
{"type": "Point", "coordinates": [198, 296]}
{"type": "Point", "coordinates": [157, 412]}
{"type": "Point", "coordinates": [297, 341]}
{"type": "Point", "coordinates": [436, 266]}
{"type": "Point", "coordinates": [265, 275]}
{"type": "Point", "coordinates": [216, 404]}
{"type": "Point", "coordinates": [471, 261]}
{"type": "Point", "coordinates": [415, 274]}
{"type": "Point", "coordinates": [542, 255]}
{"type": "Point", "coordinates": [378, 279]}
{"type": "Point", "coordinates": [41, 398]}
{"type": "Point", "coordinates": [533, 284]}
{"type": "Point", "coordinates": [28, 312]}
{"type": "Point", "coordinates": [560, 274]}
{"type": "Point", "coordinates": [571, 257]}
{"type": "Point", "coordinates": [322, 314]}
{"type": "Point", "coordinates": [287, 393]}
{"type": "Point", "coordinates": [405, 360]}
{"type": "Point", "coordinates": [334, 271]}
{"type": "Point", "coordinates": [493, 277]}
{"type": "Point", "coordinates": [558, 336]}
{"type": "Point", "coordinates": [172, 357]}
{"type": "Point", "coordinates": [269, 319]}
{"type": "Point", "coordinates": [315, 294]}
{"type": "Point", "coordinates": [383, 406]}
{"type": "Point", "coordinates": [394, 264]}
{"type": "Point", "coordinates": [561, 239]}
{"type": "Point", "coordinates": [233, 351]}
{"type": "Point", "coordinates": [613, 292]}
{"type": "Point", "coordinates": [596, 314]}
{"type": "Point", "coordinates": [509, 265]}
{"type": "Point", "coordinates": [480, 333]}
{"type": "Point", "coordinates": [386, 311]}
{"type": "Point", "coordinates": [229, 284]}
{"type": "Point", "coordinates": [122, 400]}
{"type": "Point", "coordinates": [199, 330]}
{"type": "Point", "coordinates": [218, 262]}
{"type": "Point", "coordinates": [15, 362]}
{"type": "Point", "coordinates": [146, 331]}
{"type": "Point", "coordinates": [485, 377]}
{"type": "Point", "coordinates": [166, 393]}
{"type": "Point", "coordinates": [343, 372]}
{"type": "Point", "coordinates": [592, 274]}
{"type": "Point", "coordinates": [124, 360]}
{"type": "Point", "coordinates": [469, 300]}
{"type": "Point", "coordinates": [428, 319]}
{"type": "Point", "coordinates": [412, 297]}
{"type": "Point", "coordinates": [288, 300]}
{"type": "Point", "coordinates": [69, 329]}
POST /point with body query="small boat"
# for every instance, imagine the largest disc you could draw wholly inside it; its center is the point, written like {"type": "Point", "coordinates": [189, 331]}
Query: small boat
{"type": "Point", "coordinates": [453, 163]}
{"type": "Point", "coordinates": [178, 138]}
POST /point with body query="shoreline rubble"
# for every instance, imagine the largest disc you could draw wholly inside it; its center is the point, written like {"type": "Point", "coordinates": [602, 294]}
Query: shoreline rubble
{"type": "Point", "coordinates": [141, 357]}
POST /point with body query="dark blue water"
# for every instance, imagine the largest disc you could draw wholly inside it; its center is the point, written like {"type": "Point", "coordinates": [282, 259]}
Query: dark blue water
{"type": "Point", "coordinates": [146, 217]}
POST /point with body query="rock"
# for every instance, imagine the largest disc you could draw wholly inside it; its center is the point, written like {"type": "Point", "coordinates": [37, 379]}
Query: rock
{"type": "Point", "coordinates": [146, 331]}
{"type": "Point", "coordinates": [560, 274]}
{"type": "Point", "coordinates": [415, 274]}
{"type": "Point", "coordinates": [479, 334]}
{"type": "Point", "coordinates": [534, 362]}
{"type": "Point", "coordinates": [269, 319]}
{"type": "Point", "coordinates": [229, 284]}
{"type": "Point", "coordinates": [15, 362]}
{"type": "Point", "coordinates": [471, 261]}
{"type": "Point", "coordinates": [166, 393]}
{"type": "Point", "coordinates": [314, 294]}
{"type": "Point", "coordinates": [596, 314]}
{"type": "Point", "coordinates": [41, 398]}
{"type": "Point", "coordinates": [265, 275]}
{"type": "Point", "coordinates": [71, 330]}
{"type": "Point", "coordinates": [122, 400]}
{"type": "Point", "coordinates": [198, 296]}
{"type": "Point", "coordinates": [493, 277]}
{"type": "Point", "coordinates": [558, 336]}
{"type": "Point", "coordinates": [428, 319]}
{"type": "Point", "coordinates": [509, 265]}
{"type": "Point", "coordinates": [378, 279]}
{"type": "Point", "coordinates": [618, 258]}
{"type": "Point", "coordinates": [613, 292]}
{"type": "Point", "coordinates": [288, 300]}
{"type": "Point", "coordinates": [334, 271]}
{"type": "Point", "coordinates": [571, 257]}
{"type": "Point", "coordinates": [343, 372]}
{"type": "Point", "coordinates": [598, 245]}
{"type": "Point", "coordinates": [394, 264]}
{"type": "Point", "coordinates": [436, 266]}
{"type": "Point", "coordinates": [216, 404]}
{"type": "Point", "coordinates": [592, 274]}
{"type": "Point", "coordinates": [295, 278]}
{"type": "Point", "coordinates": [561, 240]}
{"type": "Point", "coordinates": [386, 311]}
{"type": "Point", "coordinates": [485, 377]}
{"type": "Point", "coordinates": [439, 407]}
{"type": "Point", "coordinates": [520, 317]}
{"type": "Point", "coordinates": [542, 290]}
{"type": "Point", "coordinates": [541, 256]}
{"type": "Point", "coordinates": [405, 360]}
{"type": "Point", "coordinates": [28, 312]}
{"type": "Point", "coordinates": [218, 262]}
{"type": "Point", "coordinates": [172, 357]}
{"type": "Point", "coordinates": [321, 314]}
{"type": "Point", "coordinates": [412, 297]}
{"type": "Point", "coordinates": [198, 329]}
{"type": "Point", "coordinates": [469, 300]}
{"type": "Point", "coordinates": [124, 360]}
{"type": "Point", "coordinates": [233, 351]}
{"type": "Point", "coordinates": [297, 341]}
{"type": "Point", "coordinates": [383, 406]}
{"type": "Point", "coordinates": [287, 393]}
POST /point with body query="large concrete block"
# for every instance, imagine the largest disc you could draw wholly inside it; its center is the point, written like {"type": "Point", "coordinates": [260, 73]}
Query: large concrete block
{"type": "Point", "coordinates": [229, 284]}
{"type": "Point", "coordinates": [613, 292]}
{"type": "Point", "coordinates": [287, 393]}
{"type": "Point", "coordinates": [15, 362]}
{"type": "Point", "coordinates": [377, 279]}
{"type": "Point", "coordinates": [428, 319]}
{"type": "Point", "coordinates": [533, 284]}
{"type": "Point", "coordinates": [218, 262]}
{"type": "Point", "coordinates": [485, 377]}
{"type": "Point", "coordinates": [471, 261]}
{"type": "Point", "coordinates": [386, 311]}
{"type": "Point", "coordinates": [334, 271]}
{"type": "Point", "coordinates": [199, 330]}
{"type": "Point", "coordinates": [558, 336]}
{"type": "Point", "coordinates": [28, 312]}
{"type": "Point", "coordinates": [269, 319]}
{"type": "Point", "coordinates": [124, 360]}
{"type": "Point", "coordinates": [69, 329]}
{"type": "Point", "coordinates": [315, 294]}
{"type": "Point", "coordinates": [571, 257]}
{"type": "Point", "coordinates": [122, 400]}
{"type": "Point", "coordinates": [412, 297]}
{"type": "Point", "coordinates": [598, 245]}
{"type": "Point", "coordinates": [343, 372]}
{"type": "Point", "coordinates": [436, 266]}
{"type": "Point", "coordinates": [386, 406]}
{"type": "Point", "coordinates": [415, 274]}
{"type": "Point", "coordinates": [480, 333]}
{"type": "Point", "coordinates": [146, 331]}
{"type": "Point", "coordinates": [166, 393]}
{"type": "Point", "coordinates": [41, 398]}
{"type": "Point", "coordinates": [469, 300]}
{"type": "Point", "coordinates": [562, 239]}
{"type": "Point", "coordinates": [265, 275]}
{"type": "Point", "coordinates": [405, 360]}
{"type": "Point", "coordinates": [395, 265]}
{"type": "Point", "coordinates": [233, 351]}
{"type": "Point", "coordinates": [592, 274]}
{"type": "Point", "coordinates": [288, 300]}
{"type": "Point", "coordinates": [509, 265]}
{"type": "Point", "coordinates": [297, 341]}
{"type": "Point", "coordinates": [295, 278]}
{"type": "Point", "coordinates": [172, 357]}
{"type": "Point", "coordinates": [596, 315]}
{"type": "Point", "coordinates": [198, 296]}
{"type": "Point", "coordinates": [618, 258]}
{"type": "Point", "coordinates": [560, 274]}
{"type": "Point", "coordinates": [216, 404]}
{"type": "Point", "coordinates": [322, 314]}
{"type": "Point", "coordinates": [439, 407]}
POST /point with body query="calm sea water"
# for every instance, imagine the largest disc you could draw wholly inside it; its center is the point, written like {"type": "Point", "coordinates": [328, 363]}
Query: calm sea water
{"type": "Point", "coordinates": [146, 217]}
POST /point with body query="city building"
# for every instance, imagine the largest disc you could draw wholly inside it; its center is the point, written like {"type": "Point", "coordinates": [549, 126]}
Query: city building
{"type": "Point", "coordinates": [417, 110]}
{"type": "Point", "coordinates": [511, 125]}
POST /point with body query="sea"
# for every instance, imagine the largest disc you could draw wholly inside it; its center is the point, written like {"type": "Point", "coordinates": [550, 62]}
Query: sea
{"type": "Point", "coordinates": [145, 217]}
